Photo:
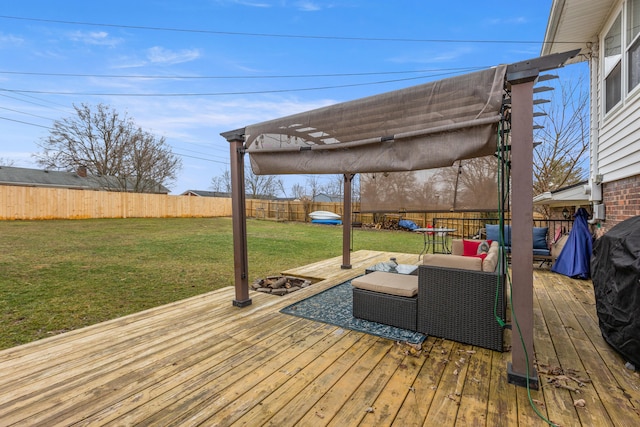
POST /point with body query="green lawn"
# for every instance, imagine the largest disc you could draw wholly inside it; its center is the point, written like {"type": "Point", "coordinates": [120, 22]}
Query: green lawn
{"type": "Point", "coordinates": [62, 275]}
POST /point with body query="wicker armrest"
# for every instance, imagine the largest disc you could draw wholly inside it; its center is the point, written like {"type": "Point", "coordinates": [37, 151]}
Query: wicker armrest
{"type": "Point", "coordinates": [459, 305]}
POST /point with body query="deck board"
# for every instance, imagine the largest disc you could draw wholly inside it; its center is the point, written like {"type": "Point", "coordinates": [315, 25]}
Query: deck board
{"type": "Point", "coordinates": [202, 361]}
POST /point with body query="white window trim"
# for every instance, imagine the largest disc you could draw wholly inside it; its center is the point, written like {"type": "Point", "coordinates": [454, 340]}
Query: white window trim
{"type": "Point", "coordinates": [627, 46]}
{"type": "Point", "coordinates": [607, 66]}
{"type": "Point", "coordinates": [609, 63]}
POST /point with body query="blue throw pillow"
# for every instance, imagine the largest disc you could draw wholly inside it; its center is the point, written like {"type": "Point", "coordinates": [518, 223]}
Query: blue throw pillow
{"type": "Point", "coordinates": [540, 237]}
{"type": "Point", "coordinates": [493, 233]}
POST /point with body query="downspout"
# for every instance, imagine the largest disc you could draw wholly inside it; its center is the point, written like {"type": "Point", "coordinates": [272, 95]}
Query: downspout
{"type": "Point", "coordinates": [595, 178]}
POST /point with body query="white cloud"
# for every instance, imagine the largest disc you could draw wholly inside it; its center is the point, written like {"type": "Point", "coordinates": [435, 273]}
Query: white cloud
{"type": "Point", "coordinates": [250, 3]}
{"type": "Point", "coordinates": [515, 20]}
{"type": "Point", "coordinates": [100, 38]}
{"type": "Point", "coordinates": [160, 55]}
{"type": "Point", "coordinates": [10, 40]}
{"type": "Point", "coordinates": [303, 5]}
{"type": "Point", "coordinates": [432, 57]}
{"type": "Point", "coordinates": [308, 6]}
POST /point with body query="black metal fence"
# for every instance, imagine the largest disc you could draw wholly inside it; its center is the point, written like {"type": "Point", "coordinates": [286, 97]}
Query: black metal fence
{"type": "Point", "coordinates": [469, 228]}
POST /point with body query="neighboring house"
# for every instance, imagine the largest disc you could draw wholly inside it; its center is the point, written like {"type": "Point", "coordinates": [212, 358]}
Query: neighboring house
{"type": "Point", "coordinates": [566, 199]}
{"type": "Point", "coordinates": [608, 34]}
{"type": "Point", "coordinates": [78, 180]}
{"type": "Point", "coordinates": [327, 198]}
{"type": "Point", "coordinates": [203, 193]}
{"type": "Point", "coordinates": [559, 205]}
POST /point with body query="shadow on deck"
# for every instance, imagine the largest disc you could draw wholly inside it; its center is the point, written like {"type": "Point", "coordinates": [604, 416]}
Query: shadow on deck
{"type": "Point", "coordinates": [203, 361]}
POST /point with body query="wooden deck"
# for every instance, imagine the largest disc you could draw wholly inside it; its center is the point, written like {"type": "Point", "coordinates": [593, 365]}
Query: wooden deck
{"type": "Point", "coordinates": [202, 361]}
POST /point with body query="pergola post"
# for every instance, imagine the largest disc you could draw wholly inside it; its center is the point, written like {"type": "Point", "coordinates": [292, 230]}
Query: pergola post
{"type": "Point", "coordinates": [521, 76]}
{"type": "Point", "coordinates": [346, 223]}
{"type": "Point", "coordinates": [521, 369]}
{"type": "Point", "coordinates": [239, 218]}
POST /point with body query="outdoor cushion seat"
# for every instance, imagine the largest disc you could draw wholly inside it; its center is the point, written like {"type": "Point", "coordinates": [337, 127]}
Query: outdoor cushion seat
{"type": "Point", "coordinates": [540, 246]}
{"type": "Point", "coordinates": [541, 252]}
{"type": "Point", "coordinates": [403, 285]}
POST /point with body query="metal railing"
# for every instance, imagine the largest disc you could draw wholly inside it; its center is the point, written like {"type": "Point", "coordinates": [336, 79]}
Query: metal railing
{"type": "Point", "coordinates": [470, 228]}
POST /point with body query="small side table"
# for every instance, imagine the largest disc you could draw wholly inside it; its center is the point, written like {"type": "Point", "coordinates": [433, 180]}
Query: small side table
{"type": "Point", "coordinates": [433, 237]}
{"type": "Point", "coordinates": [393, 267]}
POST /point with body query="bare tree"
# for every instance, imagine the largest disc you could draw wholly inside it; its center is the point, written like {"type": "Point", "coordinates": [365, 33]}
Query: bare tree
{"type": "Point", "coordinates": [261, 185]}
{"type": "Point", "coordinates": [558, 161]}
{"type": "Point", "coordinates": [6, 162]}
{"type": "Point", "coordinates": [256, 186]}
{"type": "Point", "coordinates": [114, 151]}
{"type": "Point", "coordinates": [472, 184]}
{"type": "Point", "coordinates": [222, 182]}
{"type": "Point", "coordinates": [387, 192]}
{"type": "Point", "coordinates": [334, 185]}
{"type": "Point", "coordinates": [298, 191]}
{"type": "Point", "coordinates": [313, 186]}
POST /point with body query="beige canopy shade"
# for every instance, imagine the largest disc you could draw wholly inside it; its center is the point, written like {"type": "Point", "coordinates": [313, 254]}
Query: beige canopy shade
{"type": "Point", "coordinates": [420, 127]}
{"type": "Point", "coordinates": [468, 185]}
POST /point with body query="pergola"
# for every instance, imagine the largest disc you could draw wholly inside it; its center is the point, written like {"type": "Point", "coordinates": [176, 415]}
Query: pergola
{"type": "Point", "coordinates": [418, 128]}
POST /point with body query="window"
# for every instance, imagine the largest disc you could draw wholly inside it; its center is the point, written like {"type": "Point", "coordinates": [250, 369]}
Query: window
{"type": "Point", "coordinates": [612, 66]}
{"type": "Point", "coordinates": [633, 42]}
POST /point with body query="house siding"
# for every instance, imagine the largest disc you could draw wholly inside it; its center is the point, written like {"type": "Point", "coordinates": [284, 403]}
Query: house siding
{"type": "Point", "coordinates": [615, 140]}
{"type": "Point", "coordinates": [619, 145]}
{"type": "Point", "coordinates": [622, 200]}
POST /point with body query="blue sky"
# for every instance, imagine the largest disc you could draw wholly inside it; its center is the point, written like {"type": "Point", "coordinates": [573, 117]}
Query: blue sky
{"type": "Point", "coordinates": [189, 70]}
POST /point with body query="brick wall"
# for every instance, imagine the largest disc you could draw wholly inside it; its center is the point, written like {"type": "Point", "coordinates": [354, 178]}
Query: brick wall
{"type": "Point", "coordinates": [621, 199]}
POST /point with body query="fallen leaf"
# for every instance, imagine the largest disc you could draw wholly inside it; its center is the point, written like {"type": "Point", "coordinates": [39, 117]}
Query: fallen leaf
{"type": "Point", "coordinates": [369, 410]}
{"type": "Point", "coordinates": [579, 402]}
{"type": "Point", "coordinates": [417, 347]}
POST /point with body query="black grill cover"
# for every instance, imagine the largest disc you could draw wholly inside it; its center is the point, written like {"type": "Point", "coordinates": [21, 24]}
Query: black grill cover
{"type": "Point", "coordinates": [615, 271]}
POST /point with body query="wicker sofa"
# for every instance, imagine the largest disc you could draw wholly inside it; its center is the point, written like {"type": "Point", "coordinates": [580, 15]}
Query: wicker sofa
{"type": "Point", "coordinates": [452, 302]}
{"type": "Point", "coordinates": [460, 295]}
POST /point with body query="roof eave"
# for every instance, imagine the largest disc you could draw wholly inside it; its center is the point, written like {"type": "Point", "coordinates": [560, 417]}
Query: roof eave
{"type": "Point", "coordinates": [585, 19]}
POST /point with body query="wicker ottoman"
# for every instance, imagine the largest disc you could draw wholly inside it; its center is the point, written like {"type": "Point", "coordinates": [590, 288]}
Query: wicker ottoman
{"type": "Point", "coordinates": [387, 298]}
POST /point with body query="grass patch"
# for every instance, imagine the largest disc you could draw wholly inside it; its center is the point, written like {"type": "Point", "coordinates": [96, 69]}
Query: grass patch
{"type": "Point", "coordinates": [62, 275]}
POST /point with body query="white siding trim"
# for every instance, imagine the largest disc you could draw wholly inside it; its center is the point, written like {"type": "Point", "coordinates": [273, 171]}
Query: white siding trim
{"type": "Point", "coordinates": [615, 140]}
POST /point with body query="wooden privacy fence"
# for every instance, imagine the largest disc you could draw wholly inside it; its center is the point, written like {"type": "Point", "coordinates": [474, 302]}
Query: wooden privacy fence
{"type": "Point", "coordinates": [288, 210]}
{"type": "Point", "coordinates": [29, 203]}
{"type": "Point", "coordinates": [36, 203]}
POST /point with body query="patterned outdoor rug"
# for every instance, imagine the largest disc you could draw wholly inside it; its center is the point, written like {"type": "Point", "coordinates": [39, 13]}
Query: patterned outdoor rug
{"type": "Point", "coordinates": [334, 306]}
